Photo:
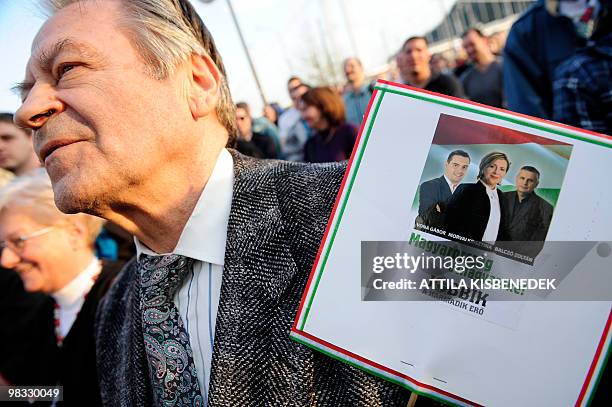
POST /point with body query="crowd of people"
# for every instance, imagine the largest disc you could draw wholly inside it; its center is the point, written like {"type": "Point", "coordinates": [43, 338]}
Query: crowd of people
{"type": "Point", "coordinates": [550, 66]}
{"type": "Point", "coordinates": [56, 268]}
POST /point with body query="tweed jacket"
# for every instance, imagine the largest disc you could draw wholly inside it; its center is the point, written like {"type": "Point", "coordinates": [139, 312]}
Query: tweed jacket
{"type": "Point", "coordinates": [278, 215]}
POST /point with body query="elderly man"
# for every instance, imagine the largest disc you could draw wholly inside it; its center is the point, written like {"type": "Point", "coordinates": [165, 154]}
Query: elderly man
{"type": "Point", "coordinates": [53, 253]}
{"type": "Point", "coordinates": [131, 115]}
{"type": "Point", "coordinates": [16, 152]}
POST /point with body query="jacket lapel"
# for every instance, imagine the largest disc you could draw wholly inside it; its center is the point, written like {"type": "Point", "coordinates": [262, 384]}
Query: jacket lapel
{"type": "Point", "coordinates": [445, 190]}
{"type": "Point", "coordinates": [258, 268]}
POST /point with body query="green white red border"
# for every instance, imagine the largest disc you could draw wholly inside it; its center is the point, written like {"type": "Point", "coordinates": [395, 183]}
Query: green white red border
{"type": "Point", "coordinates": [297, 331]}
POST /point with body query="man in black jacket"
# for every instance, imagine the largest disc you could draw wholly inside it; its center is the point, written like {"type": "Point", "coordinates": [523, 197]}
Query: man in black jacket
{"type": "Point", "coordinates": [434, 193]}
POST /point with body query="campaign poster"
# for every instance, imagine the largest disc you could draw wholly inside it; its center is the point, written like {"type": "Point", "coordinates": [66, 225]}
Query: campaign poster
{"type": "Point", "coordinates": [502, 343]}
{"type": "Point", "coordinates": [491, 187]}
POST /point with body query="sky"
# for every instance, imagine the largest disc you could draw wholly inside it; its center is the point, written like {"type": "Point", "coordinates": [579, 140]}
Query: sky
{"type": "Point", "coordinates": [284, 37]}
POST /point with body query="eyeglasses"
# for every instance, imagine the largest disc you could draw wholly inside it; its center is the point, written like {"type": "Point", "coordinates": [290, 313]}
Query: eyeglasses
{"type": "Point", "coordinates": [17, 244]}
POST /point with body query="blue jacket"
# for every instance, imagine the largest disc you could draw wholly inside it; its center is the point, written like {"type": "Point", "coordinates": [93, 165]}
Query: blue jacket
{"type": "Point", "coordinates": [583, 88]}
{"type": "Point", "coordinates": [537, 43]}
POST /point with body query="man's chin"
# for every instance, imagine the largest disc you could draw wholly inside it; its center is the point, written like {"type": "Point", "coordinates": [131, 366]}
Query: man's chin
{"type": "Point", "coordinates": [69, 199]}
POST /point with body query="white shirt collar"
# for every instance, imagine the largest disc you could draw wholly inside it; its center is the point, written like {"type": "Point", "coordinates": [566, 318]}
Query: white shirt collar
{"type": "Point", "coordinates": [450, 184]}
{"type": "Point", "coordinates": [205, 233]}
{"type": "Point", "coordinates": [75, 291]}
{"type": "Point", "coordinates": [490, 191]}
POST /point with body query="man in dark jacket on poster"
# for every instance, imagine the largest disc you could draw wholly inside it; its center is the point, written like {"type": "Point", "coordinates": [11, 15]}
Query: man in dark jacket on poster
{"type": "Point", "coordinates": [434, 193]}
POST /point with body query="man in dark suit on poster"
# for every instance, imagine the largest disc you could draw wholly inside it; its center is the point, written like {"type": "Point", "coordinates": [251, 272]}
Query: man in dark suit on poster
{"type": "Point", "coordinates": [434, 193]}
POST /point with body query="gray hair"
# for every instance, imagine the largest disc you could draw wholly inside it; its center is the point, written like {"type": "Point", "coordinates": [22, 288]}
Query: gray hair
{"type": "Point", "coordinates": [166, 32]}
{"type": "Point", "coordinates": [531, 169]}
{"type": "Point", "coordinates": [33, 194]}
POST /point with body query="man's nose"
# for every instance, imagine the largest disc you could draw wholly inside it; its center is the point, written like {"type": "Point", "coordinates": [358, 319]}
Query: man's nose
{"type": "Point", "coordinates": [8, 258]}
{"type": "Point", "coordinates": [39, 106]}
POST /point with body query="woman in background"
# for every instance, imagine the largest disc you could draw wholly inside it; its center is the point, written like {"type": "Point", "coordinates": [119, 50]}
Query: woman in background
{"type": "Point", "coordinates": [53, 253]}
{"type": "Point", "coordinates": [333, 139]}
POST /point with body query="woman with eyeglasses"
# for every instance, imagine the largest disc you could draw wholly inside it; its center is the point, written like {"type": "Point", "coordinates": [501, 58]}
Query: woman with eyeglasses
{"type": "Point", "coordinates": [53, 253]}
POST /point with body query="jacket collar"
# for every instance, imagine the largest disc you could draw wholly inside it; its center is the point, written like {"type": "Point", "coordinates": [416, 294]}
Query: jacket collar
{"type": "Point", "coordinates": [255, 226]}
{"type": "Point", "coordinates": [259, 268]}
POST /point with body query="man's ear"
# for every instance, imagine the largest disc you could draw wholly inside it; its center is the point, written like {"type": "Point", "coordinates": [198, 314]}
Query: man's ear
{"type": "Point", "coordinates": [205, 82]}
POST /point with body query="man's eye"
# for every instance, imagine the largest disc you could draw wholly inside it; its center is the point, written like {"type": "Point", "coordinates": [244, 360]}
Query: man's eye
{"type": "Point", "coordinates": [64, 68]}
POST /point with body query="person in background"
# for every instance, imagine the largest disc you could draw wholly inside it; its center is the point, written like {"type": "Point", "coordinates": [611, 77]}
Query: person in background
{"type": "Point", "coordinates": [18, 157]}
{"type": "Point", "coordinates": [333, 138]}
{"type": "Point", "coordinates": [461, 63]}
{"type": "Point", "coordinates": [291, 115]}
{"type": "Point", "coordinates": [413, 64]}
{"type": "Point", "coordinates": [440, 64]}
{"type": "Point", "coordinates": [16, 152]}
{"type": "Point", "coordinates": [483, 81]}
{"type": "Point", "coordinates": [582, 89]}
{"type": "Point", "coordinates": [268, 129]}
{"type": "Point", "coordinates": [542, 38]}
{"type": "Point", "coordinates": [272, 111]}
{"type": "Point", "coordinates": [298, 133]}
{"type": "Point", "coordinates": [497, 42]}
{"type": "Point", "coordinates": [27, 340]}
{"type": "Point", "coordinates": [251, 142]}
{"type": "Point", "coordinates": [53, 253]}
{"type": "Point", "coordinates": [358, 92]}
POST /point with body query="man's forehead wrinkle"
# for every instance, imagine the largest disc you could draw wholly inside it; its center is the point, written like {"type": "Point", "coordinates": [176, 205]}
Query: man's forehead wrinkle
{"type": "Point", "coordinates": [47, 55]}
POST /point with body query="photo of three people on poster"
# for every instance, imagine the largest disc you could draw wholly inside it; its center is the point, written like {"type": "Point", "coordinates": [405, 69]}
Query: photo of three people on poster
{"type": "Point", "coordinates": [480, 211]}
